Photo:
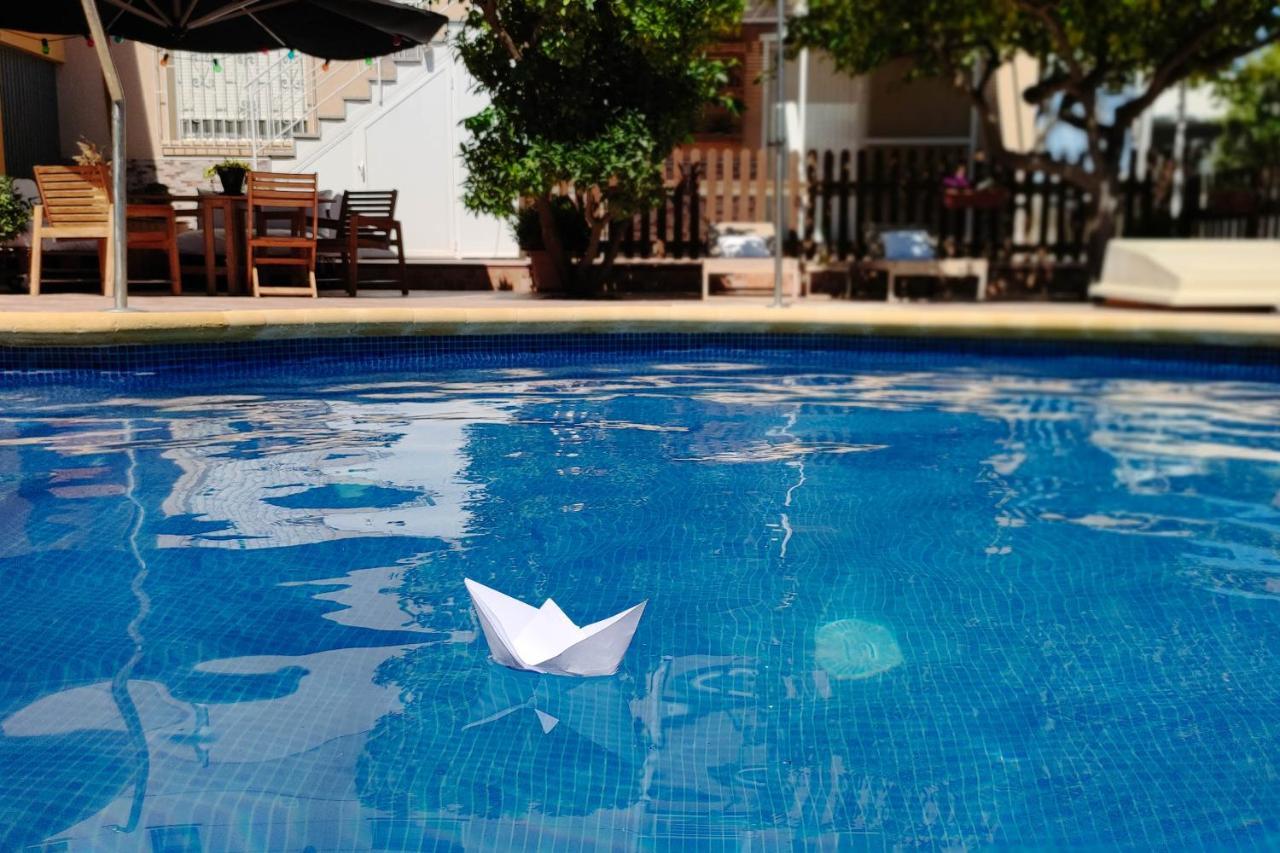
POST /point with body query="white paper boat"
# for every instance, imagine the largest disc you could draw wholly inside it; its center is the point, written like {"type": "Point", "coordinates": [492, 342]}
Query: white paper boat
{"type": "Point", "coordinates": [543, 639]}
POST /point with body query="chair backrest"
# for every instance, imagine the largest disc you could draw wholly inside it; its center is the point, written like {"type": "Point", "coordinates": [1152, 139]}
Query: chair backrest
{"type": "Point", "coordinates": [377, 203]}
{"type": "Point", "coordinates": [74, 195]}
{"type": "Point", "coordinates": [282, 192]}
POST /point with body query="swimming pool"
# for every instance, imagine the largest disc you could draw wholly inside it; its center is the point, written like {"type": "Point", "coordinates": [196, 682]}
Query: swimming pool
{"type": "Point", "coordinates": [898, 597]}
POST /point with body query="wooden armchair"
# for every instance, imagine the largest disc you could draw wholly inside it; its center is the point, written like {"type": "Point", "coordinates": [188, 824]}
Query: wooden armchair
{"type": "Point", "coordinates": [366, 220]}
{"type": "Point", "coordinates": [75, 204]}
{"type": "Point", "coordinates": [295, 198]}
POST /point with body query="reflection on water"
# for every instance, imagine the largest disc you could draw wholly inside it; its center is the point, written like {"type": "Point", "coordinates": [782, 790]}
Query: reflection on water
{"type": "Point", "coordinates": [979, 604]}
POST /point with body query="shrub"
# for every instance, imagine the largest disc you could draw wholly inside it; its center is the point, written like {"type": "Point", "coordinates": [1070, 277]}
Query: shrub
{"type": "Point", "coordinates": [15, 211]}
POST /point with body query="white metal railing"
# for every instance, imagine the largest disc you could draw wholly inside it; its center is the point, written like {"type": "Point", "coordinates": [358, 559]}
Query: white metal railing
{"type": "Point", "coordinates": [233, 98]}
{"type": "Point", "coordinates": [298, 108]}
{"type": "Point", "coordinates": [260, 102]}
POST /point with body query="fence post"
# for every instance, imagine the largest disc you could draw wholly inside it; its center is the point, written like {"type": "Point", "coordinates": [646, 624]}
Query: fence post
{"type": "Point", "coordinates": [1190, 213]}
{"type": "Point", "coordinates": [842, 229]}
{"type": "Point", "coordinates": [695, 206]}
{"type": "Point", "coordinates": [680, 190]}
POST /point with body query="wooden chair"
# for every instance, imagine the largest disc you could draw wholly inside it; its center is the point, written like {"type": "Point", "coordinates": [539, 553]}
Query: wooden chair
{"type": "Point", "coordinates": [366, 220]}
{"type": "Point", "coordinates": [280, 195]}
{"type": "Point", "coordinates": [160, 234]}
{"type": "Point", "coordinates": [75, 204]}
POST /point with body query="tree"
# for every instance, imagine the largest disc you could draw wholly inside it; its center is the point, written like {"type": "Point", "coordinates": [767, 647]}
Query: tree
{"type": "Point", "coordinates": [1251, 129]}
{"type": "Point", "coordinates": [1102, 63]}
{"type": "Point", "coordinates": [585, 94]}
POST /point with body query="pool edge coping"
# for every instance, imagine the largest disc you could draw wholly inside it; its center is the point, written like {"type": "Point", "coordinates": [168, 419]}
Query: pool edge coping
{"type": "Point", "coordinates": [100, 328]}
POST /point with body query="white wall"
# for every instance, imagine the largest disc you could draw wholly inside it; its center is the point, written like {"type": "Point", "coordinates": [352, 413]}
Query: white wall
{"type": "Point", "coordinates": [411, 143]}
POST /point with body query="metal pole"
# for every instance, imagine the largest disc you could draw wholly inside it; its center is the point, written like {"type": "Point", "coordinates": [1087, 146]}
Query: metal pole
{"type": "Point", "coordinates": [119, 166]}
{"type": "Point", "coordinates": [780, 153]}
{"type": "Point", "coordinates": [802, 142]}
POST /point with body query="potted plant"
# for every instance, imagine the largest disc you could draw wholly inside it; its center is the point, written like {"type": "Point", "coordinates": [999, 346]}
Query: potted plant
{"type": "Point", "coordinates": [89, 153]}
{"type": "Point", "coordinates": [15, 214]}
{"type": "Point", "coordinates": [570, 226]}
{"type": "Point", "coordinates": [15, 211]}
{"type": "Point", "coordinates": [230, 174]}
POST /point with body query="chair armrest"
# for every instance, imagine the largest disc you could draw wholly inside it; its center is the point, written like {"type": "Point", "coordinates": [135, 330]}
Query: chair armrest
{"type": "Point", "coordinates": [385, 222]}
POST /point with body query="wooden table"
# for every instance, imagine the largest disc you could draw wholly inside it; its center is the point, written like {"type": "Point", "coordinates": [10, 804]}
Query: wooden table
{"type": "Point", "coordinates": [234, 209]}
{"type": "Point", "coordinates": [204, 206]}
{"type": "Point", "coordinates": [748, 266]}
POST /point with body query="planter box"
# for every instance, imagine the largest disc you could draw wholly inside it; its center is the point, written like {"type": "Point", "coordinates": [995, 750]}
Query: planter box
{"type": "Point", "coordinates": [543, 271]}
{"type": "Point", "coordinates": [985, 199]}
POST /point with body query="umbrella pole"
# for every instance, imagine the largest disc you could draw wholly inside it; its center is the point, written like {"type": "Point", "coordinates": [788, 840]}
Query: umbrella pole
{"type": "Point", "coordinates": [119, 224]}
{"type": "Point", "coordinates": [780, 152]}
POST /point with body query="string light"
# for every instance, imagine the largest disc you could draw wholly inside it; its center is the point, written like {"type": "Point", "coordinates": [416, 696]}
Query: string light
{"type": "Point", "coordinates": [88, 41]}
{"type": "Point", "coordinates": [164, 60]}
{"type": "Point", "coordinates": [396, 41]}
{"type": "Point", "coordinates": [44, 46]}
{"type": "Point", "coordinates": [117, 39]}
{"type": "Point", "coordinates": [368, 60]}
{"type": "Point", "coordinates": [217, 65]}
{"type": "Point", "coordinates": [325, 66]}
{"type": "Point", "coordinates": [293, 54]}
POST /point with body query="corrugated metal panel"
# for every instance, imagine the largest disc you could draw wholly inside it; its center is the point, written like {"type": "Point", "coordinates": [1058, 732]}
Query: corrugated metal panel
{"type": "Point", "coordinates": [29, 100]}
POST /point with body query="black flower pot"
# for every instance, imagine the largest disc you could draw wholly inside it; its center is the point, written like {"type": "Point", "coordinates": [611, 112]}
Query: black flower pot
{"type": "Point", "coordinates": [232, 179]}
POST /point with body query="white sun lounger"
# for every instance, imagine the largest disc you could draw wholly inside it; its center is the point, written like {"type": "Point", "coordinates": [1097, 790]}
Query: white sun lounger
{"type": "Point", "coordinates": [1191, 273]}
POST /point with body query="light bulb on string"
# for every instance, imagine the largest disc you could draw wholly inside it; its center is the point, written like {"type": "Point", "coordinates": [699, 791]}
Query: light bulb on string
{"type": "Point", "coordinates": [44, 46]}
{"type": "Point", "coordinates": [396, 41]}
{"type": "Point", "coordinates": [164, 60]}
{"type": "Point", "coordinates": [217, 66]}
{"type": "Point", "coordinates": [88, 41]}
{"type": "Point", "coordinates": [325, 66]}
{"type": "Point", "coordinates": [117, 39]}
{"type": "Point", "coordinates": [368, 60]}
{"type": "Point", "coordinates": [293, 54]}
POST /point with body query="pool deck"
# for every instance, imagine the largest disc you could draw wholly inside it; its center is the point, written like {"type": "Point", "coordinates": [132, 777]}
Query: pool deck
{"type": "Point", "coordinates": [82, 319]}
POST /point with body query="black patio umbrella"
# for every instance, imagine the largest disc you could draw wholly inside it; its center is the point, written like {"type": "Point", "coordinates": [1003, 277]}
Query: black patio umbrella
{"type": "Point", "coordinates": [329, 29]}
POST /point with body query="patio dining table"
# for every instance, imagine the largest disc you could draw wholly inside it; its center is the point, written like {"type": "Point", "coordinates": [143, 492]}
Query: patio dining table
{"type": "Point", "coordinates": [202, 208]}
{"type": "Point", "coordinates": [234, 230]}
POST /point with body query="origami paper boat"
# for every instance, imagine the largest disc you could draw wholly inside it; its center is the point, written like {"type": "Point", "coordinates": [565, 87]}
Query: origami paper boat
{"type": "Point", "coordinates": [544, 639]}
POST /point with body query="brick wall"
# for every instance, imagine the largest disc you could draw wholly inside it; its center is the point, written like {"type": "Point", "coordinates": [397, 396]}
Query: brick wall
{"type": "Point", "coordinates": [182, 175]}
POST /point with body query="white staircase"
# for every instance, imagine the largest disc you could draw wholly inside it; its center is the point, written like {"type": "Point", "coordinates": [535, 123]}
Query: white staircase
{"type": "Point", "coordinates": [390, 124]}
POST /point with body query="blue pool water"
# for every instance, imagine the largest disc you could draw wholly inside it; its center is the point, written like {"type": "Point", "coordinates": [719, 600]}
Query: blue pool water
{"type": "Point", "coordinates": [896, 600]}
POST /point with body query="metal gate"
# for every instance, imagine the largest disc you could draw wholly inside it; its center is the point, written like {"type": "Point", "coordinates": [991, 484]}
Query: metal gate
{"type": "Point", "coordinates": [28, 112]}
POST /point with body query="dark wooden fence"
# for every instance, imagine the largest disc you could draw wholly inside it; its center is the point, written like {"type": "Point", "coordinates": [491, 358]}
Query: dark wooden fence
{"type": "Point", "coordinates": [845, 195]}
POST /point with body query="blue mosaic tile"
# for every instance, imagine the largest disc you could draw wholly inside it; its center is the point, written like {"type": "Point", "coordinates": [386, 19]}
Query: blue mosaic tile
{"type": "Point", "coordinates": [235, 358]}
{"type": "Point", "coordinates": [902, 594]}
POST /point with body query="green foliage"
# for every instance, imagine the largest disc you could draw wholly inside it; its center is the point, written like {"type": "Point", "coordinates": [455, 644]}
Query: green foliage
{"type": "Point", "coordinates": [1085, 48]}
{"type": "Point", "coordinates": [570, 225]}
{"type": "Point", "coordinates": [15, 211]}
{"type": "Point", "coordinates": [1251, 130]}
{"type": "Point", "coordinates": [588, 93]}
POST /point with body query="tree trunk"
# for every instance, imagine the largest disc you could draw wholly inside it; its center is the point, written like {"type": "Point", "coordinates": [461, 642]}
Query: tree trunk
{"type": "Point", "coordinates": [588, 279]}
{"type": "Point", "coordinates": [1100, 226]}
{"type": "Point", "coordinates": [551, 241]}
